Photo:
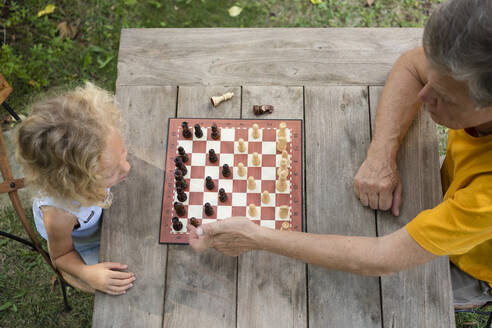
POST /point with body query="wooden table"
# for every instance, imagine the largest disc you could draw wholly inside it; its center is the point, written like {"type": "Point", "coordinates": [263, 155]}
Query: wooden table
{"type": "Point", "coordinates": [332, 79]}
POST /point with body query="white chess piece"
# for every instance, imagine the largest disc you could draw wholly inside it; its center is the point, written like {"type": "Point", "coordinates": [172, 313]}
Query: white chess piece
{"type": "Point", "coordinates": [281, 144]}
{"type": "Point", "coordinates": [282, 182]}
{"type": "Point", "coordinates": [252, 210]}
{"type": "Point", "coordinates": [265, 197]}
{"type": "Point", "coordinates": [241, 170]}
{"type": "Point", "coordinates": [241, 146]}
{"type": "Point", "coordinates": [281, 131]}
{"type": "Point", "coordinates": [216, 100]}
{"type": "Point", "coordinates": [283, 211]}
{"type": "Point", "coordinates": [286, 156]}
{"type": "Point", "coordinates": [255, 159]}
{"type": "Point", "coordinates": [256, 131]}
{"type": "Point", "coordinates": [283, 166]}
{"type": "Point", "coordinates": [251, 183]}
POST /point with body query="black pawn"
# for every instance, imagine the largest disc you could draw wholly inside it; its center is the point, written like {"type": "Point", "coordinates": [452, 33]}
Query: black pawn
{"type": "Point", "coordinates": [208, 209]}
{"type": "Point", "coordinates": [226, 171]}
{"type": "Point", "coordinates": [198, 131]}
{"type": "Point", "coordinates": [180, 209]}
{"type": "Point", "coordinates": [180, 182]}
{"type": "Point", "coordinates": [222, 195]}
{"type": "Point", "coordinates": [181, 195]}
{"type": "Point", "coordinates": [186, 130]}
{"type": "Point", "coordinates": [212, 156]}
{"type": "Point", "coordinates": [182, 154]}
{"type": "Point", "coordinates": [177, 225]}
{"type": "Point", "coordinates": [194, 222]}
{"type": "Point", "coordinates": [215, 132]}
{"type": "Point", "coordinates": [209, 183]}
{"type": "Point", "coordinates": [179, 164]}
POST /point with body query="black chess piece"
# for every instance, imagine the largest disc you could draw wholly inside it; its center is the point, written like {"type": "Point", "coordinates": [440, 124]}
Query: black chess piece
{"type": "Point", "coordinates": [186, 130]}
{"type": "Point", "coordinates": [226, 171]}
{"type": "Point", "coordinates": [209, 183]}
{"type": "Point", "coordinates": [182, 197]}
{"type": "Point", "coordinates": [222, 195]}
{"type": "Point", "coordinates": [180, 209]}
{"type": "Point", "coordinates": [182, 154]}
{"type": "Point", "coordinates": [179, 164]}
{"type": "Point", "coordinates": [215, 132]}
{"type": "Point", "coordinates": [180, 181]}
{"type": "Point", "coordinates": [208, 209]}
{"type": "Point", "coordinates": [177, 225]}
{"type": "Point", "coordinates": [198, 131]}
{"type": "Point", "coordinates": [194, 222]}
{"type": "Point", "coordinates": [212, 156]}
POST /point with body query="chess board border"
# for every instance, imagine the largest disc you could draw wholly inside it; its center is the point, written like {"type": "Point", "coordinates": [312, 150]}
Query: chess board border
{"type": "Point", "coordinates": [302, 222]}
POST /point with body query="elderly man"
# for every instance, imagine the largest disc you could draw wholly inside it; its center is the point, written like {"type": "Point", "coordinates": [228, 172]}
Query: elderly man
{"type": "Point", "coordinates": [452, 76]}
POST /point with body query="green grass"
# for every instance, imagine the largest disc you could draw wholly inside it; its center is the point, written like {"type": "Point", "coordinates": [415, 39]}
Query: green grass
{"type": "Point", "coordinates": [35, 60]}
{"type": "Point", "coordinates": [26, 297]}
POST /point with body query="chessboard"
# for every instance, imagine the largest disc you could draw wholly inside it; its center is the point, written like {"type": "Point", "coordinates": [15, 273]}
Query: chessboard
{"type": "Point", "coordinates": [220, 168]}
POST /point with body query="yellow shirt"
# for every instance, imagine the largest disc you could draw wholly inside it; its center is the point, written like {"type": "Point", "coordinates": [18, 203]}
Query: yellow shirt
{"type": "Point", "coordinates": [461, 226]}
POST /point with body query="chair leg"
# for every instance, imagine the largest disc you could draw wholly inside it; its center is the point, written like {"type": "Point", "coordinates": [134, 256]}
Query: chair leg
{"type": "Point", "coordinates": [63, 286]}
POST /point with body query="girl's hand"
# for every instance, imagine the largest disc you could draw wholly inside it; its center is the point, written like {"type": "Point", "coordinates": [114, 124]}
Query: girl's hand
{"type": "Point", "coordinates": [107, 278]}
{"type": "Point", "coordinates": [230, 236]}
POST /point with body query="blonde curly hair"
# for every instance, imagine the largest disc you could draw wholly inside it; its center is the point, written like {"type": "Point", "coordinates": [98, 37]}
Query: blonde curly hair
{"type": "Point", "coordinates": [60, 144]}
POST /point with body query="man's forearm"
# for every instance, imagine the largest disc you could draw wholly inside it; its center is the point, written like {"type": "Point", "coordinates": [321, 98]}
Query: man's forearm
{"type": "Point", "coordinates": [398, 104]}
{"type": "Point", "coordinates": [358, 255]}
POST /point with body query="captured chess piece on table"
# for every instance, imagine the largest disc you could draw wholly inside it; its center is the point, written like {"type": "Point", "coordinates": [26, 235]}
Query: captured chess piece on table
{"type": "Point", "coordinates": [216, 100]}
{"type": "Point", "coordinates": [262, 109]}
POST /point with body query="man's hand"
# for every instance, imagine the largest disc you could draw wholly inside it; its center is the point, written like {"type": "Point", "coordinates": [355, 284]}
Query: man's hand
{"type": "Point", "coordinates": [232, 236]}
{"type": "Point", "coordinates": [377, 184]}
{"type": "Point", "coordinates": [105, 277]}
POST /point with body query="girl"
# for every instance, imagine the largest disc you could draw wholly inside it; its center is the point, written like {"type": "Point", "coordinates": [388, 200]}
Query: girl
{"type": "Point", "coordinates": [72, 153]}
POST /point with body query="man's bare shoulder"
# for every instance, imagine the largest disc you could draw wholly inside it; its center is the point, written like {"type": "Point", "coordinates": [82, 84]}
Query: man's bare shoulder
{"type": "Point", "coordinates": [416, 63]}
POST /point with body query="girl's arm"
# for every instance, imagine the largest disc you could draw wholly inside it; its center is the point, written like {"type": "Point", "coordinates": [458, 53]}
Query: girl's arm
{"type": "Point", "coordinates": [59, 226]}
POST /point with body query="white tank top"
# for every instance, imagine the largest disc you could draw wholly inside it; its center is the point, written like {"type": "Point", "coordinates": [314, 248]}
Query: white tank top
{"type": "Point", "coordinates": [88, 217]}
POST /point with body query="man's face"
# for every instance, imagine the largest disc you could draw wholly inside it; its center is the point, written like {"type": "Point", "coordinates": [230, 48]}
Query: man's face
{"type": "Point", "coordinates": [449, 104]}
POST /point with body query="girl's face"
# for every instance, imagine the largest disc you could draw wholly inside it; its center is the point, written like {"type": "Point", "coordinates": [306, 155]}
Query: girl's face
{"type": "Point", "coordinates": [115, 167]}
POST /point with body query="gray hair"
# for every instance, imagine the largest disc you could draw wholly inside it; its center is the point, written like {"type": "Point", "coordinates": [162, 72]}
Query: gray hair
{"type": "Point", "coordinates": [458, 42]}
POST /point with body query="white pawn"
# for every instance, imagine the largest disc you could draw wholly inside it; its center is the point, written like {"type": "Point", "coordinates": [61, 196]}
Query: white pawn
{"type": "Point", "coordinates": [252, 210]}
{"type": "Point", "coordinates": [255, 159]}
{"type": "Point", "coordinates": [281, 131]}
{"type": "Point", "coordinates": [286, 156]}
{"type": "Point", "coordinates": [285, 226]}
{"type": "Point", "coordinates": [282, 182]}
{"type": "Point", "coordinates": [265, 197]}
{"type": "Point", "coordinates": [241, 146]}
{"type": "Point", "coordinates": [283, 167]}
{"type": "Point", "coordinates": [251, 183]}
{"type": "Point", "coordinates": [283, 211]}
{"type": "Point", "coordinates": [241, 170]}
{"type": "Point", "coordinates": [281, 144]}
{"type": "Point", "coordinates": [256, 131]}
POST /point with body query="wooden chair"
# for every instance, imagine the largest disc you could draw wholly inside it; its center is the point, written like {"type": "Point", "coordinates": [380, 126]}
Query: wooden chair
{"type": "Point", "coordinates": [11, 185]}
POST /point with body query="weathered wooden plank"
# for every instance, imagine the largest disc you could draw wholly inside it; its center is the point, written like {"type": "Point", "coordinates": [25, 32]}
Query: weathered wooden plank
{"type": "Point", "coordinates": [268, 56]}
{"type": "Point", "coordinates": [420, 297]}
{"type": "Point", "coordinates": [131, 225]}
{"type": "Point", "coordinates": [272, 288]}
{"type": "Point", "coordinates": [201, 289]}
{"type": "Point", "coordinates": [337, 138]}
